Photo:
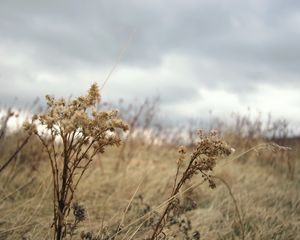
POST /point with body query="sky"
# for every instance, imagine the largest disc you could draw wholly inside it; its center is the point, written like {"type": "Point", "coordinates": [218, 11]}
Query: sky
{"type": "Point", "coordinates": [197, 56]}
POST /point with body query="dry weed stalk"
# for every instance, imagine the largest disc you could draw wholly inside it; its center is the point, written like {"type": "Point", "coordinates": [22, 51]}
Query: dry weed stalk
{"type": "Point", "coordinates": [3, 129]}
{"type": "Point", "coordinates": [4, 120]}
{"type": "Point", "coordinates": [238, 212]}
{"type": "Point", "coordinates": [75, 133]}
{"type": "Point", "coordinates": [12, 157]}
{"type": "Point", "coordinates": [203, 159]}
{"type": "Point", "coordinates": [140, 116]}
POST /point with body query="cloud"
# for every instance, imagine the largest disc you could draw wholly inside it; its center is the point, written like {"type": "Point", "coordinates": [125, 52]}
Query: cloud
{"type": "Point", "coordinates": [181, 50]}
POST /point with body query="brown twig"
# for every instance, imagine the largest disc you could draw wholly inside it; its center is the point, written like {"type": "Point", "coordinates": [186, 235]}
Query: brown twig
{"type": "Point", "coordinates": [9, 160]}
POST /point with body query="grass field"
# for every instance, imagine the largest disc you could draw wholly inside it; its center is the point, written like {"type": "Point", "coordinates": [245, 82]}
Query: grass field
{"type": "Point", "coordinates": [124, 192]}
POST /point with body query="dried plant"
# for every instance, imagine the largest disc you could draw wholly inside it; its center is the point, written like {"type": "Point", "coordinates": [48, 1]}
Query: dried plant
{"type": "Point", "coordinates": [79, 214]}
{"type": "Point", "coordinates": [74, 133]}
{"type": "Point", "coordinates": [203, 159]}
{"type": "Point", "coordinates": [238, 211]}
{"type": "Point", "coordinates": [3, 130]}
{"type": "Point", "coordinates": [4, 120]}
{"type": "Point", "coordinates": [140, 118]}
{"type": "Point", "coordinates": [12, 157]}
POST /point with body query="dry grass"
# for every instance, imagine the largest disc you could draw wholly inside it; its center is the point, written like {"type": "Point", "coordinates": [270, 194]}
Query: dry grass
{"type": "Point", "coordinates": [125, 192]}
{"type": "Point", "coordinates": [269, 202]}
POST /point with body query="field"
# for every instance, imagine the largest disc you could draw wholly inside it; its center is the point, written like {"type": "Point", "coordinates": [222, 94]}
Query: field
{"type": "Point", "coordinates": [125, 190]}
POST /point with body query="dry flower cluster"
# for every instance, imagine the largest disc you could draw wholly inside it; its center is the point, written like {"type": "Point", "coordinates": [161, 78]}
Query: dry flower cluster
{"type": "Point", "coordinates": [75, 133]}
{"type": "Point", "coordinates": [209, 148]}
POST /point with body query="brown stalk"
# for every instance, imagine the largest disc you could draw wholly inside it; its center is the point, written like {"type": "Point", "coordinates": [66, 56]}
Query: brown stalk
{"type": "Point", "coordinates": [242, 225]}
{"type": "Point", "coordinates": [12, 157]}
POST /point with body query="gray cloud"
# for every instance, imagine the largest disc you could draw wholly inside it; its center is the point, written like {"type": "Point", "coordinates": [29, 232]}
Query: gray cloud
{"type": "Point", "coordinates": [255, 32]}
{"type": "Point", "coordinates": [231, 45]}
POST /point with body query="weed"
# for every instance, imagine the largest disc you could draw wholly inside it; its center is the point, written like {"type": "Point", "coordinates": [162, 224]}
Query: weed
{"type": "Point", "coordinates": [202, 160]}
{"type": "Point", "coordinates": [74, 133]}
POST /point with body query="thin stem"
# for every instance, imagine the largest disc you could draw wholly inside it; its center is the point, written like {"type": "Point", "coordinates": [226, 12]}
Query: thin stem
{"type": "Point", "coordinates": [235, 205]}
{"type": "Point", "coordinates": [15, 153]}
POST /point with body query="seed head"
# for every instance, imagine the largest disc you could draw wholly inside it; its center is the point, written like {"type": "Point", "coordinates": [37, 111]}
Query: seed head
{"type": "Point", "coordinates": [78, 212]}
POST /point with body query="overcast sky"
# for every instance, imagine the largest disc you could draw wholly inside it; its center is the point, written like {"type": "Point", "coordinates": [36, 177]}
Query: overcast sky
{"type": "Point", "coordinates": [223, 56]}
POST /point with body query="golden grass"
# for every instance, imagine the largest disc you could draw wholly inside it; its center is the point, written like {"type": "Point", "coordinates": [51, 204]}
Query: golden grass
{"type": "Point", "coordinates": [144, 190]}
{"type": "Point", "coordinates": [269, 202]}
